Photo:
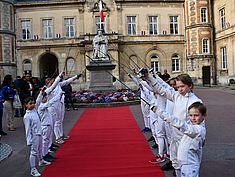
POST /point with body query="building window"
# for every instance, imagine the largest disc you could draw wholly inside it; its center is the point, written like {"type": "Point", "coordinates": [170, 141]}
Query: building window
{"type": "Point", "coordinates": [173, 24]}
{"type": "Point", "coordinates": [222, 18]}
{"type": "Point", "coordinates": [203, 15]}
{"type": "Point", "coordinates": [205, 46]}
{"type": "Point", "coordinates": [70, 68]}
{"type": "Point", "coordinates": [99, 24]}
{"type": "Point", "coordinates": [69, 27]}
{"type": "Point", "coordinates": [153, 25]}
{"type": "Point", "coordinates": [27, 66]}
{"type": "Point", "coordinates": [26, 29]}
{"type": "Point", "coordinates": [131, 25]}
{"type": "Point", "coordinates": [224, 58]}
{"type": "Point", "coordinates": [47, 28]}
{"type": "Point", "coordinates": [175, 63]}
{"type": "Point", "coordinates": [155, 63]}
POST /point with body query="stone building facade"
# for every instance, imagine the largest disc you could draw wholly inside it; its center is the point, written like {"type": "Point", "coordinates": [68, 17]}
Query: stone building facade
{"type": "Point", "coordinates": [224, 25]}
{"type": "Point", "coordinates": [181, 36]}
{"type": "Point", "coordinates": [7, 39]}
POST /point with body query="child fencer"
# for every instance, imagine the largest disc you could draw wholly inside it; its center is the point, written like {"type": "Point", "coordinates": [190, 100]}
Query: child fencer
{"type": "Point", "coordinates": [194, 133]}
{"type": "Point", "coordinates": [58, 106]}
{"type": "Point", "coordinates": [46, 122]}
{"type": "Point", "coordinates": [33, 135]}
{"type": "Point", "coordinates": [144, 106]}
{"type": "Point", "coordinates": [182, 99]}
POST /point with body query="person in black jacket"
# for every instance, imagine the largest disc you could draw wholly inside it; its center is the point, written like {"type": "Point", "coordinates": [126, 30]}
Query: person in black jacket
{"type": "Point", "coordinates": [68, 97]}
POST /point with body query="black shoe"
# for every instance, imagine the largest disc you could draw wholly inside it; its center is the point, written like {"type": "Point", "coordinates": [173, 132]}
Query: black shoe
{"type": "Point", "coordinates": [155, 146]}
{"type": "Point", "coordinates": [51, 156]}
{"type": "Point", "coordinates": [174, 174]}
{"type": "Point", "coordinates": [146, 129]}
{"type": "Point", "coordinates": [151, 139]}
{"type": "Point", "coordinates": [168, 166]}
{"type": "Point", "coordinates": [3, 133]}
{"type": "Point", "coordinates": [46, 158]}
{"type": "Point", "coordinates": [52, 149]}
{"type": "Point", "coordinates": [55, 145]}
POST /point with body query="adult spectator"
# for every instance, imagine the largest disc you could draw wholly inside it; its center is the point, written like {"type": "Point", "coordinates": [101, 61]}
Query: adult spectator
{"type": "Point", "coordinates": [68, 97]}
{"type": "Point", "coordinates": [1, 112]}
{"type": "Point", "coordinates": [36, 86]}
{"type": "Point", "coordinates": [165, 76]}
{"type": "Point", "coordinates": [17, 85]}
{"type": "Point", "coordinates": [8, 95]}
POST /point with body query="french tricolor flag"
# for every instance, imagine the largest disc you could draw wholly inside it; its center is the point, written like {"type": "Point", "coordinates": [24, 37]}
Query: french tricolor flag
{"type": "Point", "coordinates": [101, 11]}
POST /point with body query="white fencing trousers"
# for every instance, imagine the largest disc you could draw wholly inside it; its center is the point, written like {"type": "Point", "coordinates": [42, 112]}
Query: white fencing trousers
{"type": "Point", "coordinates": [36, 150]}
{"type": "Point", "coordinates": [58, 121]}
{"type": "Point", "coordinates": [145, 111]}
{"type": "Point", "coordinates": [153, 120]}
{"type": "Point", "coordinates": [191, 170]}
{"type": "Point", "coordinates": [61, 117]}
{"type": "Point", "coordinates": [173, 153]}
{"type": "Point", "coordinates": [161, 137]}
{"type": "Point", "coordinates": [46, 138]}
{"type": "Point", "coordinates": [168, 129]}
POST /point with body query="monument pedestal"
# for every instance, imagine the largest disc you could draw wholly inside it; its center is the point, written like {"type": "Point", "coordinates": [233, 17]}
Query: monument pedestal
{"type": "Point", "coordinates": [100, 79]}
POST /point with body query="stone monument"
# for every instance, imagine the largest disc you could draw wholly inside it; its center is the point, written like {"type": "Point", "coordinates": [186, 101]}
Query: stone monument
{"type": "Point", "coordinates": [100, 66]}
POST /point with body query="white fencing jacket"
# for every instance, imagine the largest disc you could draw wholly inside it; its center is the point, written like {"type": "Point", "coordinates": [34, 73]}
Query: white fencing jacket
{"type": "Point", "coordinates": [190, 147]}
{"type": "Point", "coordinates": [181, 103]}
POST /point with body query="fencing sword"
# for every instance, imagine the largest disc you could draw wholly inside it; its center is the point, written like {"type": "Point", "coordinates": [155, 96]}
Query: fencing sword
{"type": "Point", "coordinates": [138, 57]}
{"type": "Point", "coordinates": [116, 78]}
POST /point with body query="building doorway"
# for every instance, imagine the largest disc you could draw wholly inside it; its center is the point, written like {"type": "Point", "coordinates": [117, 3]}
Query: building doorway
{"type": "Point", "coordinates": [48, 66]}
{"type": "Point", "coordinates": [206, 76]}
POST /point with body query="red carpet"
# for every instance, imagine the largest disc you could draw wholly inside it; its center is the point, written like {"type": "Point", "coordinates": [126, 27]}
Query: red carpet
{"type": "Point", "coordinates": [105, 142]}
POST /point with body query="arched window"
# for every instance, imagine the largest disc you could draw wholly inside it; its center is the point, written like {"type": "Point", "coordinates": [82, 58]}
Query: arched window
{"type": "Point", "coordinates": [27, 66]}
{"type": "Point", "coordinates": [155, 63]}
{"type": "Point", "coordinates": [175, 63]}
{"type": "Point", "coordinates": [70, 66]}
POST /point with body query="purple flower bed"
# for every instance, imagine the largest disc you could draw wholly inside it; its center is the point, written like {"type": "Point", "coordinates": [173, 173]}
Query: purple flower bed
{"type": "Point", "coordinates": [95, 97]}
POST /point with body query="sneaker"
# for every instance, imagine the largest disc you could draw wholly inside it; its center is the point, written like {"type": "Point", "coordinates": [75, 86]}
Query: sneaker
{"type": "Point", "coordinates": [52, 149]}
{"type": "Point", "coordinates": [167, 167]}
{"type": "Point", "coordinates": [48, 159]}
{"type": "Point", "coordinates": [75, 109]}
{"type": "Point", "coordinates": [157, 159]}
{"type": "Point", "coordinates": [12, 129]}
{"type": "Point", "coordinates": [146, 129]}
{"type": "Point", "coordinates": [67, 109]}
{"type": "Point", "coordinates": [3, 133]}
{"type": "Point", "coordinates": [151, 139]}
{"type": "Point", "coordinates": [34, 172]}
{"type": "Point", "coordinates": [59, 141]}
{"type": "Point", "coordinates": [167, 156]}
{"type": "Point", "coordinates": [155, 146]}
{"type": "Point", "coordinates": [65, 137]}
{"type": "Point", "coordinates": [43, 163]}
{"type": "Point", "coordinates": [55, 145]}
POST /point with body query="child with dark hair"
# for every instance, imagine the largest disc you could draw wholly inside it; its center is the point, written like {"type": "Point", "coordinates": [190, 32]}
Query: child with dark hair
{"type": "Point", "coordinates": [194, 132]}
{"type": "Point", "coordinates": [33, 132]}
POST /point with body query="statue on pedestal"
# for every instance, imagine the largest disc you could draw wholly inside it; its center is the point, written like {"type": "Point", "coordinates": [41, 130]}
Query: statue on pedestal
{"type": "Point", "coordinates": [100, 47]}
